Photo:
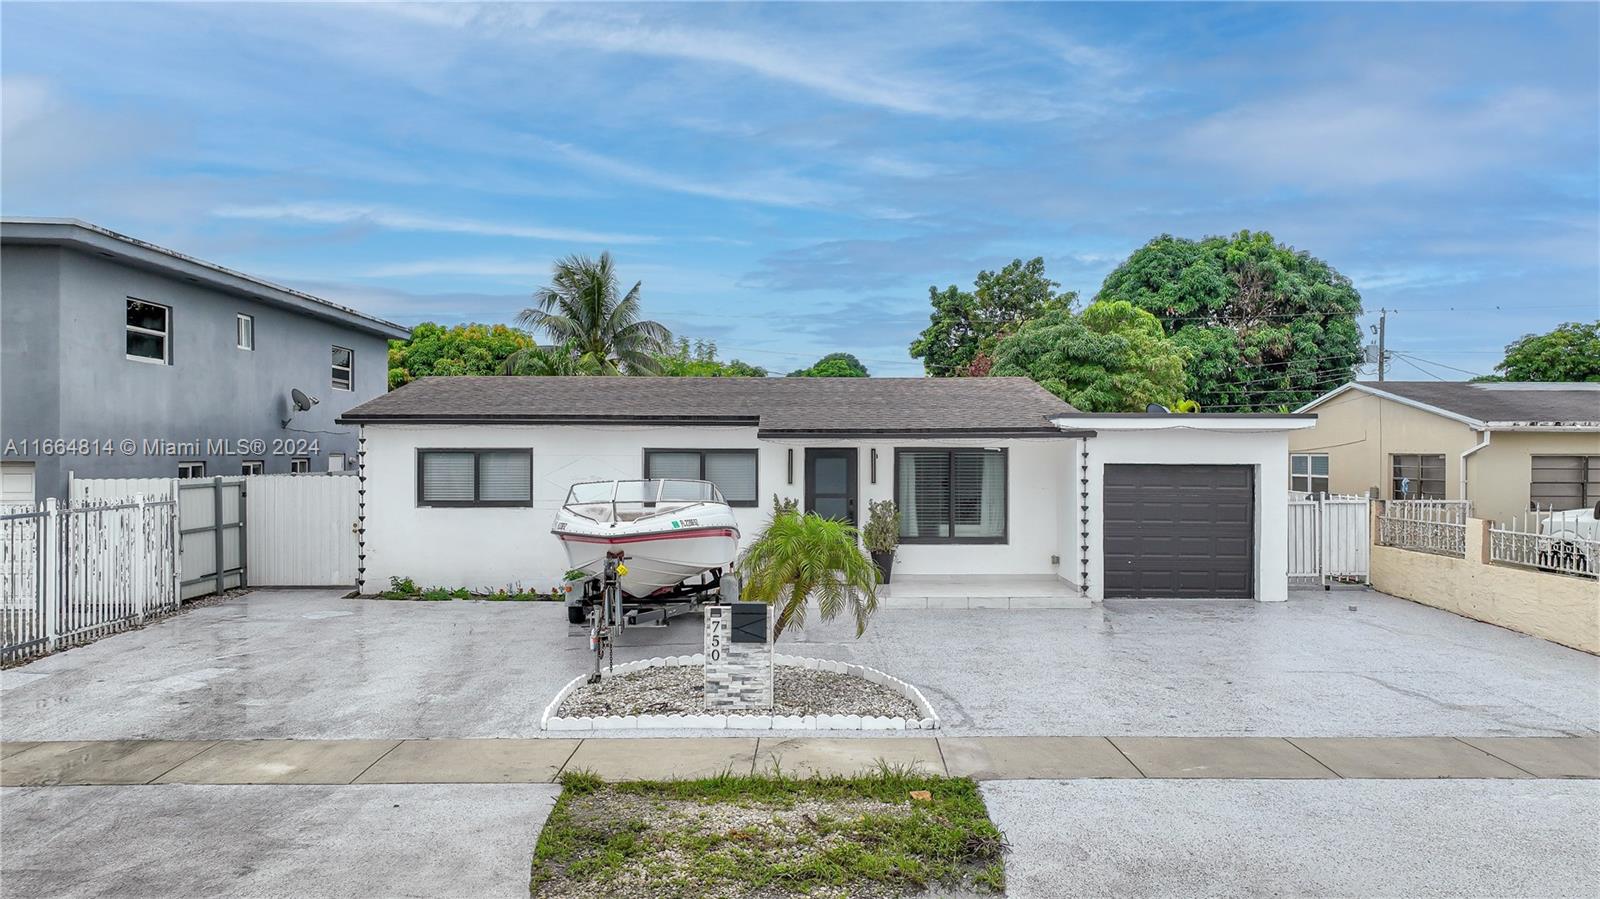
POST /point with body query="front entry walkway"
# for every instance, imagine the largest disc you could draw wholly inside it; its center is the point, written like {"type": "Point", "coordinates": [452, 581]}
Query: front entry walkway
{"type": "Point", "coordinates": [236, 762]}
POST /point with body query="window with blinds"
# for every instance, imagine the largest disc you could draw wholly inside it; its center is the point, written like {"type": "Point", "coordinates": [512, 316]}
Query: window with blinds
{"type": "Point", "coordinates": [474, 477]}
{"type": "Point", "coordinates": [1416, 477]}
{"type": "Point", "coordinates": [732, 470]}
{"type": "Point", "coordinates": [951, 495]}
{"type": "Point", "coordinates": [1563, 483]}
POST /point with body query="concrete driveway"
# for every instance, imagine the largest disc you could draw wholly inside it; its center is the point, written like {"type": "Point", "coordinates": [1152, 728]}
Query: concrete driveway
{"type": "Point", "coordinates": [309, 664]}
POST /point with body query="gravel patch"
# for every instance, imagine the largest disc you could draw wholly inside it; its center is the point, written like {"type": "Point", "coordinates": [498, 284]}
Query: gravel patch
{"type": "Point", "coordinates": [681, 691]}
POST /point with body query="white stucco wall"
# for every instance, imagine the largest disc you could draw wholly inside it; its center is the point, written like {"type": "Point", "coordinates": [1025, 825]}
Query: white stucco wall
{"type": "Point", "coordinates": [493, 547]}
{"type": "Point", "coordinates": [1266, 452]}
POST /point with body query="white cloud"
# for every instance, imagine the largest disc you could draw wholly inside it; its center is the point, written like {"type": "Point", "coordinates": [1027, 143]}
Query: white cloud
{"type": "Point", "coordinates": [773, 189]}
{"type": "Point", "coordinates": [400, 220]}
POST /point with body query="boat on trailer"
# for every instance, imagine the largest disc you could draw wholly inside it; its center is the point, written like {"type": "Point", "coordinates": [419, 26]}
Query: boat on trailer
{"type": "Point", "coordinates": [667, 531]}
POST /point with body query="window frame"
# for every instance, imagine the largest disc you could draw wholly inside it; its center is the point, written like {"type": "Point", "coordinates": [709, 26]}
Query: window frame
{"type": "Point", "coordinates": [344, 462]}
{"type": "Point", "coordinates": [165, 335]}
{"type": "Point", "coordinates": [473, 503]}
{"type": "Point", "coordinates": [1394, 477]}
{"type": "Point", "coordinates": [300, 465]}
{"type": "Point", "coordinates": [245, 465]}
{"type": "Point", "coordinates": [950, 454]}
{"type": "Point", "coordinates": [244, 325]}
{"type": "Point", "coordinates": [349, 370]}
{"type": "Point", "coordinates": [1589, 461]}
{"type": "Point", "coordinates": [185, 477]}
{"type": "Point", "coordinates": [753, 452]}
{"type": "Point", "coordinates": [1310, 477]}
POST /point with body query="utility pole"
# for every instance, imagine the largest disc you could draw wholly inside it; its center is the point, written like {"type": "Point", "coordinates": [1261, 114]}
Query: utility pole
{"type": "Point", "coordinates": [1383, 320]}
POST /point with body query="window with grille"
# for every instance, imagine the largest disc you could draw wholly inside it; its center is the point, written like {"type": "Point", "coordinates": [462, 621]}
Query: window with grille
{"type": "Point", "coordinates": [300, 465]}
{"type": "Point", "coordinates": [252, 466]}
{"type": "Point", "coordinates": [344, 368]}
{"type": "Point", "coordinates": [1416, 476]}
{"type": "Point", "coordinates": [1308, 473]}
{"type": "Point", "coordinates": [191, 469]}
{"type": "Point", "coordinates": [1563, 483]}
{"type": "Point", "coordinates": [732, 470]}
{"type": "Point", "coordinates": [475, 477]}
{"type": "Point", "coordinates": [951, 495]}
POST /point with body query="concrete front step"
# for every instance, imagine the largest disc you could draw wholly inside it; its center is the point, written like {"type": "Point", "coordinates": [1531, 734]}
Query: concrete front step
{"type": "Point", "coordinates": [980, 591]}
{"type": "Point", "coordinates": [984, 758]}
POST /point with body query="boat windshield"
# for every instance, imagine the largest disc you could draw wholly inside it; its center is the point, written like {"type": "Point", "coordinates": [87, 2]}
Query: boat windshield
{"type": "Point", "coordinates": [609, 501]}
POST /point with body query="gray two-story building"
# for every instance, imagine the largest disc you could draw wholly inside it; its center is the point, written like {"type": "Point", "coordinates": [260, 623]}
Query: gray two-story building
{"type": "Point", "coordinates": [119, 358]}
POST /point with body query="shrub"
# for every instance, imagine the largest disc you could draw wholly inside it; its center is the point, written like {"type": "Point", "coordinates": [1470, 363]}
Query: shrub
{"type": "Point", "coordinates": [807, 556]}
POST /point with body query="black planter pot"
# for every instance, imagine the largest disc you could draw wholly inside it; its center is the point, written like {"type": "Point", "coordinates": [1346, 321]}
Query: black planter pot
{"type": "Point", "coordinates": [885, 563]}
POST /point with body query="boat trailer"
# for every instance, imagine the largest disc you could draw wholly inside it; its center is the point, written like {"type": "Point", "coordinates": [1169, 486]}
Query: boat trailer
{"type": "Point", "coordinates": [608, 611]}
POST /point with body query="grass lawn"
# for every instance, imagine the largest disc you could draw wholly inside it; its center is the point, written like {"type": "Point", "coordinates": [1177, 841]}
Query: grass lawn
{"type": "Point", "coordinates": [885, 834]}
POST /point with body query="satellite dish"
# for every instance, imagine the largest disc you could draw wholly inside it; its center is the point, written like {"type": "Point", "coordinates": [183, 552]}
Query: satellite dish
{"type": "Point", "coordinates": [298, 402]}
{"type": "Point", "coordinates": [1156, 409]}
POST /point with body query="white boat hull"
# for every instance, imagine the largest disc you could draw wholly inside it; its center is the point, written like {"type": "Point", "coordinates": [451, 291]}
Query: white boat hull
{"type": "Point", "coordinates": [657, 554]}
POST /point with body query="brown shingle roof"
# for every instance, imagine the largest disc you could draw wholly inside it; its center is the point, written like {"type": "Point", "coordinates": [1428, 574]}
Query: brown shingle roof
{"type": "Point", "coordinates": [777, 405]}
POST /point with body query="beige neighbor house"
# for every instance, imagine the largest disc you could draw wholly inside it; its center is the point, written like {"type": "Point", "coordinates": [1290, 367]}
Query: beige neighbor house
{"type": "Point", "coordinates": [1505, 446]}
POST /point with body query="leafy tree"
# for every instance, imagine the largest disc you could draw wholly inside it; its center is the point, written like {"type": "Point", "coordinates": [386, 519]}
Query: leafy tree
{"type": "Point", "coordinates": [1569, 353]}
{"type": "Point", "coordinates": [700, 361]}
{"type": "Point", "coordinates": [1263, 325]}
{"type": "Point", "coordinates": [833, 365]}
{"type": "Point", "coordinates": [965, 326]}
{"type": "Point", "coordinates": [581, 309]}
{"type": "Point", "coordinates": [433, 349]}
{"type": "Point", "coordinates": [1112, 358]}
{"type": "Point", "coordinates": [565, 360]}
{"type": "Point", "coordinates": [808, 557]}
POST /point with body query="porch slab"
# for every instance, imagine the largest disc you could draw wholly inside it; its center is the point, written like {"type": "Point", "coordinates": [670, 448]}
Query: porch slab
{"type": "Point", "coordinates": [663, 758]}
{"type": "Point", "coordinates": [280, 762]}
{"type": "Point", "coordinates": [11, 748]}
{"type": "Point", "coordinates": [1034, 758]}
{"type": "Point", "coordinates": [1545, 756]}
{"type": "Point", "coordinates": [1265, 758]}
{"type": "Point", "coordinates": [97, 763]}
{"type": "Point", "coordinates": [1405, 757]}
{"type": "Point", "coordinates": [981, 591]}
{"type": "Point", "coordinates": [471, 761]}
{"type": "Point", "coordinates": [812, 757]}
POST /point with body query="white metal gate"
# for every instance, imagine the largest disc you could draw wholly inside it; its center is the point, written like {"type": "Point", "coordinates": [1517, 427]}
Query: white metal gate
{"type": "Point", "coordinates": [1330, 539]}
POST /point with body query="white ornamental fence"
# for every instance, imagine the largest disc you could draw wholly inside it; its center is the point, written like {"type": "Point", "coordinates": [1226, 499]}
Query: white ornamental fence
{"type": "Point", "coordinates": [1329, 539]}
{"type": "Point", "coordinates": [1425, 525]}
{"type": "Point", "coordinates": [1549, 541]}
{"type": "Point", "coordinates": [72, 574]}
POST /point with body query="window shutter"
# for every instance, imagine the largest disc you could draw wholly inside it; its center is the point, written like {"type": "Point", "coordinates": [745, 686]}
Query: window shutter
{"type": "Point", "coordinates": [734, 474]}
{"type": "Point", "coordinates": [674, 465]}
{"type": "Point", "coordinates": [447, 477]}
{"type": "Point", "coordinates": [504, 477]}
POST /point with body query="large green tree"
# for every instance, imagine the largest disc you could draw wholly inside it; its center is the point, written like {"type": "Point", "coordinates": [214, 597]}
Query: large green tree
{"type": "Point", "coordinates": [1113, 357]}
{"type": "Point", "coordinates": [1264, 325]}
{"type": "Point", "coordinates": [581, 309]}
{"type": "Point", "coordinates": [434, 349]}
{"type": "Point", "coordinates": [699, 360]}
{"type": "Point", "coordinates": [1569, 353]}
{"type": "Point", "coordinates": [965, 326]}
{"type": "Point", "coordinates": [833, 365]}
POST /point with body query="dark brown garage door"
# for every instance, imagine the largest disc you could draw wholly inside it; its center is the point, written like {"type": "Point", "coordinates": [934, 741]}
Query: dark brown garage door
{"type": "Point", "coordinates": [1179, 530]}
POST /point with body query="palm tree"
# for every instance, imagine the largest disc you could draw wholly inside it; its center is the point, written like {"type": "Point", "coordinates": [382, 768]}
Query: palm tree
{"type": "Point", "coordinates": [581, 311]}
{"type": "Point", "coordinates": [808, 556]}
{"type": "Point", "coordinates": [551, 360]}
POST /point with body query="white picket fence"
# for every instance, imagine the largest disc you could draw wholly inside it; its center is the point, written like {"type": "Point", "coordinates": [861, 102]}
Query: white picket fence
{"type": "Point", "coordinates": [1329, 539]}
{"type": "Point", "coordinates": [71, 574]}
{"type": "Point", "coordinates": [298, 530]}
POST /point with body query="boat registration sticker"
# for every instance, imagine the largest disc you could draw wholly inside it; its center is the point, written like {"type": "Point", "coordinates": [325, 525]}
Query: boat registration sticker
{"type": "Point", "coordinates": [686, 522]}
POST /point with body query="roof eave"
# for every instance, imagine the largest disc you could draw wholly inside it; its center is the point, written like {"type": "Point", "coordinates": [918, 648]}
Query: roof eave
{"type": "Point", "coordinates": [1469, 421]}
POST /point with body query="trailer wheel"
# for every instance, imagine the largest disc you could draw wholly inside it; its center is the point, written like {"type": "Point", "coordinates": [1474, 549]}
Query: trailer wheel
{"type": "Point", "coordinates": [575, 614]}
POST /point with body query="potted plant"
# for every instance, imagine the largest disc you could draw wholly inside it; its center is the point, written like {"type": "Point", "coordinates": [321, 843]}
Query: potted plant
{"type": "Point", "coordinates": [882, 535]}
{"type": "Point", "coordinates": [800, 557]}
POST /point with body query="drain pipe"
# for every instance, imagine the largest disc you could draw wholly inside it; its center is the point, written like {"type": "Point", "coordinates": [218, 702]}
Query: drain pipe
{"type": "Point", "coordinates": [1487, 434]}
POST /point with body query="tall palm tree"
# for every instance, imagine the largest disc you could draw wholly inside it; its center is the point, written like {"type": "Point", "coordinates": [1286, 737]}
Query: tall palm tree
{"type": "Point", "coordinates": [580, 310]}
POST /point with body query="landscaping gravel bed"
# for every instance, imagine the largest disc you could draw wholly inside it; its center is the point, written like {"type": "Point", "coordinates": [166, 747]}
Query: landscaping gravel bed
{"type": "Point", "coordinates": [681, 691]}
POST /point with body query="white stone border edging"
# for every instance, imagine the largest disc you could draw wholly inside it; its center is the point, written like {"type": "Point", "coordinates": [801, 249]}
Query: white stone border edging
{"type": "Point", "coordinates": [929, 720]}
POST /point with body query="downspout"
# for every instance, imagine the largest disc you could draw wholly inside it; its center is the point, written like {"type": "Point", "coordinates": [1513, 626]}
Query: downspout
{"type": "Point", "coordinates": [1487, 434]}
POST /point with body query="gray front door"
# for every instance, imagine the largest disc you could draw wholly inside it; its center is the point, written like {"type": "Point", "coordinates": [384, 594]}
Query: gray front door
{"type": "Point", "coordinates": [831, 483]}
{"type": "Point", "coordinates": [1180, 531]}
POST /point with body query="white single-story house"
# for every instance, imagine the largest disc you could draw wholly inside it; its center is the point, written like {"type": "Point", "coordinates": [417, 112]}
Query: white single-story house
{"type": "Point", "coordinates": [995, 478]}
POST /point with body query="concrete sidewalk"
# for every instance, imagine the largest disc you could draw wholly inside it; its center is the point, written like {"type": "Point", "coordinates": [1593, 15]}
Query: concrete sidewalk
{"type": "Point", "coordinates": [490, 761]}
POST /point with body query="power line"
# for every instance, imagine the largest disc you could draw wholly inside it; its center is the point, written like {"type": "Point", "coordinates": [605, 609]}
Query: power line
{"type": "Point", "coordinates": [1432, 362]}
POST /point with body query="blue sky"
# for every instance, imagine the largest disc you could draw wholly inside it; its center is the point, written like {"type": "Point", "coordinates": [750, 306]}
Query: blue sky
{"type": "Point", "coordinates": [789, 179]}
